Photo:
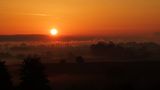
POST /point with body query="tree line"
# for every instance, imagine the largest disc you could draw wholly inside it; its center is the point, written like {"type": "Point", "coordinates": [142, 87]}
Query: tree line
{"type": "Point", "coordinates": [32, 76]}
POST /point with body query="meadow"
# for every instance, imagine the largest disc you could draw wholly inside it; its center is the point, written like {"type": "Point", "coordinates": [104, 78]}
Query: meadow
{"type": "Point", "coordinates": [85, 65]}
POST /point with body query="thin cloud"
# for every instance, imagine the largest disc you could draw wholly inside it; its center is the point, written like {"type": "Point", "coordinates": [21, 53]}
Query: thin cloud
{"type": "Point", "coordinates": [35, 14]}
{"type": "Point", "coordinates": [28, 14]}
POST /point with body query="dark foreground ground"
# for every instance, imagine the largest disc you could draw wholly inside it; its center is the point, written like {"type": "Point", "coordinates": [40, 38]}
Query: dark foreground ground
{"type": "Point", "coordinates": [104, 76]}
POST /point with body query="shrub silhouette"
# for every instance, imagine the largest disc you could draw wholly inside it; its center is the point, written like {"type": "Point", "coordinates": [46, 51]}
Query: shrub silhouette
{"type": "Point", "coordinates": [125, 51]}
{"type": "Point", "coordinates": [80, 60]}
{"type": "Point", "coordinates": [63, 61]}
{"type": "Point", "coordinates": [109, 50]}
{"type": "Point", "coordinates": [32, 75]}
{"type": "Point", "coordinates": [5, 78]}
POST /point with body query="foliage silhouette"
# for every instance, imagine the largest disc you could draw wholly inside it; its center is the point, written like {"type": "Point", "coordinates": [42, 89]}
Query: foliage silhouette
{"type": "Point", "coordinates": [5, 78]}
{"type": "Point", "coordinates": [63, 61]}
{"type": "Point", "coordinates": [109, 50]}
{"type": "Point", "coordinates": [32, 75]}
{"type": "Point", "coordinates": [128, 51]}
{"type": "Point", "coordinates": [80, 60]}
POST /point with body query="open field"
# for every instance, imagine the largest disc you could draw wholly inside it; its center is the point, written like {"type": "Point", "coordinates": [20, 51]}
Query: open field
{"type": "Point", "coordinates": [102, 76]}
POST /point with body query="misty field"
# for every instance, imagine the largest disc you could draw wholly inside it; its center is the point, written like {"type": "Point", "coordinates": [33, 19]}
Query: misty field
{"type": "Point", "coordinates": [85, 65]}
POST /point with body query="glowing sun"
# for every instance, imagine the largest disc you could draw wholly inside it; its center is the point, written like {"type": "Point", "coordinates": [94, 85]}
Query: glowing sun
{"type": "Point", "coordinates": [54, 32]}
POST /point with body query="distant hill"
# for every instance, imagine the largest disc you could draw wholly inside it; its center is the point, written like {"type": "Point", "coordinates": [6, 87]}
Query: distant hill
{"type": "Point", "coordinates": [24, 38]}
{"type": "Point", "coordinates": [34, 37]}
{"type": "Point", "coordinates": [40, 37]}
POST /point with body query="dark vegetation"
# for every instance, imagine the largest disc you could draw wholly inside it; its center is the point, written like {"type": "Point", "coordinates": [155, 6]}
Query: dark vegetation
{"type": "Point", "coordinates": [5, 78]}
{"type": "Point", "coordinates": [32, 76]}
{"type": "Point", "coordinates": [127, 66]}
{"type": "Point", "coordinates": [127, 51]}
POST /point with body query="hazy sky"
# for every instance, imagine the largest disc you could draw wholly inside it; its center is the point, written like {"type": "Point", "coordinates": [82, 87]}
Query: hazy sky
{"type": "Point", "coordinates": [80, 17]}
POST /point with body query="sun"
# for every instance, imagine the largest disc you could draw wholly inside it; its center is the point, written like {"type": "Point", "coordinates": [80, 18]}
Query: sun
{"type": "Point", "coordinates": [54, 32]}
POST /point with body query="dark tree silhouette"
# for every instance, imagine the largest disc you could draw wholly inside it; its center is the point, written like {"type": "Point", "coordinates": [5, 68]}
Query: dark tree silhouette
{"type": "Point", "coordinates": [5, 78]}
{"type": "Point", "coordinates": [128, 51]}
{"type": "Point", "coordinates": [63, 61]}
{"type": "Point", "coordinates": [33, 76]}
{"type": "Point", "coordinates": [109, 50]}
{"type": "Point", "coordinates": [80, 59]}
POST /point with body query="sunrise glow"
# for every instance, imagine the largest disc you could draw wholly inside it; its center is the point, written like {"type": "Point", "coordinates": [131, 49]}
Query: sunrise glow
{"type": "Point", "coordinates": [108, 18]}
{"type": "Point", "coordinates": [53, 32]}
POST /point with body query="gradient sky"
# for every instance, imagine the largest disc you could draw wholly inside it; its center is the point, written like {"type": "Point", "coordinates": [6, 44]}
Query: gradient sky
{"type": "Point", "coordinates": [80, 17]}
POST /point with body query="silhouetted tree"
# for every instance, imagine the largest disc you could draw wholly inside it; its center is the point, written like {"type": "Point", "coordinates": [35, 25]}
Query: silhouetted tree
{"type": "Point", "coordinates": [99, 48]}
{"type": "Point", "coordinates": [109, 50]}
{"type": "Point", "coordinates": [128, 51]}
{"type": "Point", "coordinates": [32, 75]}
{"type": "Point", "coordinates": [5, 78]}
{"type": "Point", "coordinates": [80, 59]}
{"type": "Point", "coordinates": [63, 61]}
{"type": "Point", "coordinates": [111, 44]}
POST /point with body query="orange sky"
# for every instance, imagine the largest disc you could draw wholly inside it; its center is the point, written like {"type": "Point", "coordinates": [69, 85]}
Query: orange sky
{"type": "Point", "coordinates": [80, 17]}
